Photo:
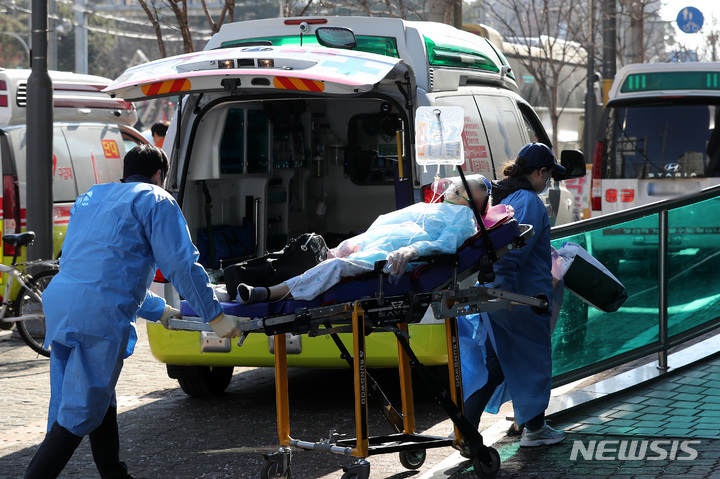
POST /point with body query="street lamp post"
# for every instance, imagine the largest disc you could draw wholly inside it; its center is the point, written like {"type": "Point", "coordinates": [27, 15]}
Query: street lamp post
{"type": "Point", "coordinates": [39, 138]}
{"type": "Point", "coordinates": [590, 100]}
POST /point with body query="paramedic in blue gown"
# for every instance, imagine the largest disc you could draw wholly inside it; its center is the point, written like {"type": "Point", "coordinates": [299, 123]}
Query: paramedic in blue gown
{"type": "Point", "coordinates": [515, 343]}
{"type": "Point", "coordinates": [119, 233]}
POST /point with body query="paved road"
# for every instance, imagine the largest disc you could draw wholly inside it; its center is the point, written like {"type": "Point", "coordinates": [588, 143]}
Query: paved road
{"type": "Point", "coordinates": [165, 433]}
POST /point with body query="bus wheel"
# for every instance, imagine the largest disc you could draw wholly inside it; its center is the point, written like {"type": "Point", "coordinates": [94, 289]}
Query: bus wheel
{"type": "Point", "coordinates": [198, 381]}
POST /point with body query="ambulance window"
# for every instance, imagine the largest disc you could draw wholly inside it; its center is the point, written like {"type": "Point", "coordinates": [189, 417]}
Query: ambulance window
{"type": "Point", "coordinates": [502, 126]}
{"type": "Point", "coordinates": [372, 150]}
{"type": "Point", "coordinates": [131, 138]}
{"type": "Point", "coordinates": [96, 151]}
{"type": "Point", "coordinates": [478, 158]}
{"type": "Point", "coordinates": [533, 126]}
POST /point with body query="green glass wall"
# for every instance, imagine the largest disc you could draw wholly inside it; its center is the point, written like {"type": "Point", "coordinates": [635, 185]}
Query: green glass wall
{"type": "Point", "coordinates": [693, 272]}
{"type": "Point", "coordinates": [586, 340]}
{"type": "Point", "coordinates": [584, 335]}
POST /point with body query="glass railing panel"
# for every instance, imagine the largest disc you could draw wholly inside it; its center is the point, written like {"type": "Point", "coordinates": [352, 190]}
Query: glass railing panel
{"type": "Point", "coordinates": [693, 272]}
{"type": "Point", "coordinates": [584, 335]}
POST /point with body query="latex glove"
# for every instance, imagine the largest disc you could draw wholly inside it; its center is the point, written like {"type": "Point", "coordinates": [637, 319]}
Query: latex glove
{"type": "Point", "coordinates": [225, 326]}
{"type": "Point", "coordinates": [169, 312]}
{"type": "Point", "coordinates": [396, 262]}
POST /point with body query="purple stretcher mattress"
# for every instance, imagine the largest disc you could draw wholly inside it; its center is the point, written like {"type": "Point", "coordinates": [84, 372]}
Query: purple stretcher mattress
{"type": "Point", "coordinates": [425, 278]}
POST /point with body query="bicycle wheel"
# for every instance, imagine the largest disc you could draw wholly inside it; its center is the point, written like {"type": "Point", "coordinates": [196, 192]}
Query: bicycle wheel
{"type": "Point", "coordinates": [33, 330]}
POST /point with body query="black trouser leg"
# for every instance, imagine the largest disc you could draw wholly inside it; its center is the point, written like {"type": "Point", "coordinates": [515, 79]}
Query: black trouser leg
{"type": "Point", "coordinates": [54, 453]}
{"type": "Point", "coordinates": [105, 445]}
{"type": "Point", "coordinates": [475, 404]}
{"type": "Point", "coordinates": [536, 423]}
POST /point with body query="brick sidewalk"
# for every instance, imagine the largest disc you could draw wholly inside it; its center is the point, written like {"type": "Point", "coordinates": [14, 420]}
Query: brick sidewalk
{"type": "Point", "coordinates": [674, 418]}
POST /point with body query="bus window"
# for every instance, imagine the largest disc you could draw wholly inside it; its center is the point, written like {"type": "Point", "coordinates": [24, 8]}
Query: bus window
{"type": "Point", "coordinates": [667, 140]}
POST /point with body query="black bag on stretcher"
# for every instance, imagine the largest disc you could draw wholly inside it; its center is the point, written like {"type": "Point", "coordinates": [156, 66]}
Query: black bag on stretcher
{"type": "Point", "coordinates": [589, 279]}
{"type": "Point", "coordinates": [299, 255]}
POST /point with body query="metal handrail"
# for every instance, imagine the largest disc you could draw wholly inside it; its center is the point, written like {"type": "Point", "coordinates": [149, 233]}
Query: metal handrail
{"type": "Point", "coordinates": [637, 212]}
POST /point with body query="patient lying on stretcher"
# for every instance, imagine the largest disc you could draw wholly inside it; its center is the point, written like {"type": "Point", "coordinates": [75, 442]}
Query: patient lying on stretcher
{"type": "Point", "coordinates": [422, 229]}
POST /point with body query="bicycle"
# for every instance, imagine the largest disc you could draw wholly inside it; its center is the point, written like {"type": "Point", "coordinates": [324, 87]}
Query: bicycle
{"type": "Point", "coordinates": [26, 309]}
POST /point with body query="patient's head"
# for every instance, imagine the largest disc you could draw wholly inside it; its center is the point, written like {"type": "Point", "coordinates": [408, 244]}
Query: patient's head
{"type": "Point", "coordinates": [480, 189]}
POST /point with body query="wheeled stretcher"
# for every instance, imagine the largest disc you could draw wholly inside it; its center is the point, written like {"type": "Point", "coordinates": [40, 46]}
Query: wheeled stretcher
{"type": "Point", "coordinates": [369, 304]}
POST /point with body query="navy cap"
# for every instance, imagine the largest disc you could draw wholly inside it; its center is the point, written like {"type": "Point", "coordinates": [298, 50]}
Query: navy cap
{"type": "Point", "coordinates": [538, 155]}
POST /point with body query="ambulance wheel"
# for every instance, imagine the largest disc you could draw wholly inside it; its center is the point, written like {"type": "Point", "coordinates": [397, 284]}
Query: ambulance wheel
{"type": "Point", "coordinates": [198, 381]}
{"type": "Point", "coordinates": [483, 470]}
{"type": "Point", "coordinates": [271, 469]}
{"type": "Point", "coordinates": [413, 459]}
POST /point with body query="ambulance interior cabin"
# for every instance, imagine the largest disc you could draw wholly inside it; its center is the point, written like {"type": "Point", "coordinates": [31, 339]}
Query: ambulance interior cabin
{"type": "Point", "coordinates": [263, 172]}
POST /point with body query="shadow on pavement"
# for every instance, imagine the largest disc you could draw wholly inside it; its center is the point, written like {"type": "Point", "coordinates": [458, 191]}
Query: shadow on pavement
{"type": "Point", "coordinates": [171, 435]}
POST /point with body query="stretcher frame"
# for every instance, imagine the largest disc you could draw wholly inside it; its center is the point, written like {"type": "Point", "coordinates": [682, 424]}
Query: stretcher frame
{"type": "Point", "coordinates": [391, 314]}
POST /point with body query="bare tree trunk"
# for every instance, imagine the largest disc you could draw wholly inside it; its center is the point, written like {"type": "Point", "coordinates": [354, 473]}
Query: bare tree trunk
{"type": "Point", "coordinates": [227, 9]}
{"type": "Point", "coordinates": [156, 26]}
{"type": "Point", "coordinates": [179, 8]}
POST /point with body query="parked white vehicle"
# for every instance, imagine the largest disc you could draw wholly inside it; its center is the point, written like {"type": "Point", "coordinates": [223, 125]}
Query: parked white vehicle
{"type": "Point", "coordinates": [91, 133]}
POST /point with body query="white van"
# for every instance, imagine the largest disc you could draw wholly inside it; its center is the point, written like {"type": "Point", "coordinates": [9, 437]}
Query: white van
{"type": "Point", "coordinates": [659, 136]}
{"type": "Point", "coordinates": [91, 133]}
{"type": "Point", "coordinates": [278, 134]}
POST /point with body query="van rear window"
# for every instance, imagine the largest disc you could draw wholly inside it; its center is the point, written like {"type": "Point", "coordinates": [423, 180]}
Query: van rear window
{"type": "Point", "coordinates": [669, 140]}
{"type": "Point", "coordinates": [369, 44]}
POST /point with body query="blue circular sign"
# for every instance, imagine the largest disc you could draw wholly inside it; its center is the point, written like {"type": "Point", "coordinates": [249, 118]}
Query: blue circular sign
{"type": "Point", "coordinates": [690, 20]}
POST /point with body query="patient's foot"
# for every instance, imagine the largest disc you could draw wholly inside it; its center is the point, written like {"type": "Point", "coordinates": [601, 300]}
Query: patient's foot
{"type": "Point", "coordinates": [249, 294]}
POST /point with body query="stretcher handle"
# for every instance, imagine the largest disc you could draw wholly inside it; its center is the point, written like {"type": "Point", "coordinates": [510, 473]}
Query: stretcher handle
{"type": "Point", "coordinates": [478, 218]}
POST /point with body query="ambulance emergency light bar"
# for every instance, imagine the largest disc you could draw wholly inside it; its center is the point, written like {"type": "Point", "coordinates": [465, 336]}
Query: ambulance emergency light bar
{"type": "Point", "coordinates": [680, 80]}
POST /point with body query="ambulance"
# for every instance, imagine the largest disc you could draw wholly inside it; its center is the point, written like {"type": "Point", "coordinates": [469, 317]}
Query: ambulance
{"type": "Point", "coordinates": [91, 133]}
{"type": "Point", "coordinates": [293, 125]}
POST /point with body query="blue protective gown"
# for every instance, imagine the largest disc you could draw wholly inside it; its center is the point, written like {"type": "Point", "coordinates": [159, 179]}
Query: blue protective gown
{"type": "Point", "coordinates": [520, 337]}
{"type": "Point", "coordinates": [118, 235]}
{"type": "Point", "coordinates": [429, 228]}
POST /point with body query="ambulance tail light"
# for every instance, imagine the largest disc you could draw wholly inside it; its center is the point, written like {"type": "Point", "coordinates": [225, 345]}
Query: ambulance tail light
{"type": "Point", "coordinates": [3, 96]}
{"type": "Point", "coordinates": [159, 278]}
{"type": "Point", "coordinates": [11, 210]}
{"type": "Point", "coordinates": [596, 193]}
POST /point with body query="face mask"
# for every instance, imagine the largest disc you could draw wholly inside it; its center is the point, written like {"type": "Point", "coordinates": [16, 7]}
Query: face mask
{"type": "Point", "coordinates": [547, 184]}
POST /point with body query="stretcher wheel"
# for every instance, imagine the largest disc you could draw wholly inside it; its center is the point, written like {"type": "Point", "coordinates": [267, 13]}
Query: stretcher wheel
{"type": "Point", "coordinates": [483, 470]}
{"type": "Point", "coordinates": [413, 459]}
{"type": "Point", "coordinates": [270, 471]}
